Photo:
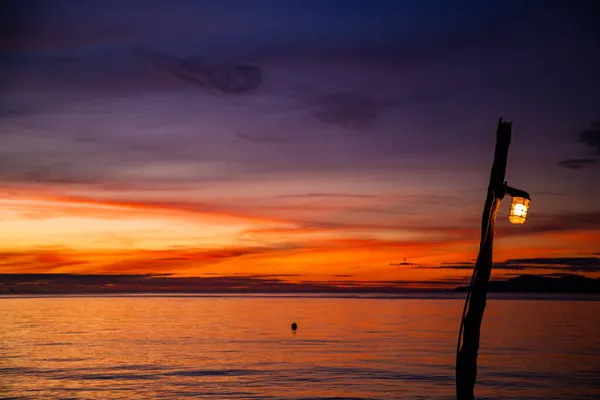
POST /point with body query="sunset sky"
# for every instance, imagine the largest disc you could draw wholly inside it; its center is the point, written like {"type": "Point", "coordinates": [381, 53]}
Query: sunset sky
{"type": "Point", "coordinates": [301, 141]}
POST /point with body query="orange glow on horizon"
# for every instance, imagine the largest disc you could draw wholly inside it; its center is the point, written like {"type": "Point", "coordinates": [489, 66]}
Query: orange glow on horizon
{"type": "Point", "coordinates": [54, 234]}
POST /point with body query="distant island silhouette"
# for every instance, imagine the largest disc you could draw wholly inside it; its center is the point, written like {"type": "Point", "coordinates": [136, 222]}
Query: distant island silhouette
{"type": "Point", "coordinates": [570, 283]}
{"type": "Point", "coordinates": [49, 284]}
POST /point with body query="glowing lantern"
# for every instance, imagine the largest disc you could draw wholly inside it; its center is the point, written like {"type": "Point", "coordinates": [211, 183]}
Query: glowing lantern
{"type": "Point", "coordinates": [518, 209]}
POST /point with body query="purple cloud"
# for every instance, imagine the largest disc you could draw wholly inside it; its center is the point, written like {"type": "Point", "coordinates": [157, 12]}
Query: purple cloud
{"type": "Point", "coordinates": [578, 163]}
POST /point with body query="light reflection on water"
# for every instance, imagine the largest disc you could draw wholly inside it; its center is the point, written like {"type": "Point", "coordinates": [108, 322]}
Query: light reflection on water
{"type": "Point", "coordinates": [243, 348]}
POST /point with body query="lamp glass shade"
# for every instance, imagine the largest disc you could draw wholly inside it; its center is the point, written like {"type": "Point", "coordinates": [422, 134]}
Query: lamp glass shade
{"type": "Point", "coordinates": [518, 210]}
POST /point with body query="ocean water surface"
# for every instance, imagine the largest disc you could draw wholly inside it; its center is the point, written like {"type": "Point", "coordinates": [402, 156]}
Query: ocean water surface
{"type": "Point", "coordinates": [242, 347]}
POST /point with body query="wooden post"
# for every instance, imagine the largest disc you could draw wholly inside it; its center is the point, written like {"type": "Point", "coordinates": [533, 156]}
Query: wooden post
{"type": "Point", "coordinates": [466, 362]}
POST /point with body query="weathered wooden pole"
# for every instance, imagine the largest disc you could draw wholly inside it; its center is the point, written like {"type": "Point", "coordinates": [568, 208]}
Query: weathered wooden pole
{"type": "Point", "coordinates": [466, 361]}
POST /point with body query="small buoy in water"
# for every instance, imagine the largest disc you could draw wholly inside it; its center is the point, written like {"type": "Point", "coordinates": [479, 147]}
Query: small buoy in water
{"type": "Point", "coordinates": [294, 326]}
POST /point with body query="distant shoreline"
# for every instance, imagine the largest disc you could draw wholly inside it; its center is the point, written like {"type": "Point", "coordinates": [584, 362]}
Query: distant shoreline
{"type": "Point", "coordinates": [21, 285]}
{"type": "Point", "coordinates": [565, 284]}
{"type": "Point", "coordinates": [445, 295]}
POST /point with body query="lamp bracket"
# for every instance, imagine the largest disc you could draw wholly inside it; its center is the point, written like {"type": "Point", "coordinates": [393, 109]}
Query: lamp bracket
{"type": "Point", "coordinates": [512, 192]}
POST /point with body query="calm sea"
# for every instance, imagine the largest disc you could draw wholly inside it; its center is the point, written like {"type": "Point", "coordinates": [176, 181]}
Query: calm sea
{"type": "Point", "coordinates": [228, 347]}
